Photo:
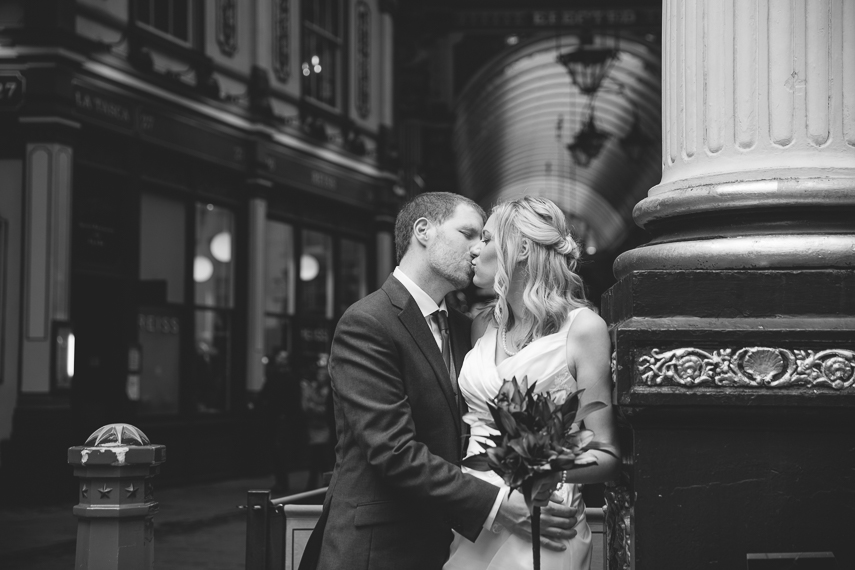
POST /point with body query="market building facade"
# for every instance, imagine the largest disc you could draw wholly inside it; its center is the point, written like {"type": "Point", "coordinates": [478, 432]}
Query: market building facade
{"type": "Point", "coordinates": [186, 189]}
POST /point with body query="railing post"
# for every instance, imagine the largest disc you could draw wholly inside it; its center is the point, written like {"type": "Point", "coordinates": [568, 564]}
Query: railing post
{"type": "Point", "coordinates": [116, 509]}
{"type": "Point", "coordinates": [257, 529]}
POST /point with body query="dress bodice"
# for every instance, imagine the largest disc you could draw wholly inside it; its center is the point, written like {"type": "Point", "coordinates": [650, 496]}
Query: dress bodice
{"type": "Point", "coordinates": [543, 361]}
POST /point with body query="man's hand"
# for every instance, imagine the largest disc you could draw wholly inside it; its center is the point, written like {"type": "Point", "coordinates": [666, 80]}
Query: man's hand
{"type": "Point", "coordinates": [556, 520]}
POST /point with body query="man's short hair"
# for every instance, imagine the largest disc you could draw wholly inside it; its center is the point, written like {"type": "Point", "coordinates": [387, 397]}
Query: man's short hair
{"type": "Point", "coordinates": [437, 207]}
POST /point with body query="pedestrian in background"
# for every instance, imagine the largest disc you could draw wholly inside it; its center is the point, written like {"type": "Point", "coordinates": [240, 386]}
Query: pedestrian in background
{"type": "Point", "coordinates": [315, 399]}
{"type": "Point", "coordinates": [280, 402]}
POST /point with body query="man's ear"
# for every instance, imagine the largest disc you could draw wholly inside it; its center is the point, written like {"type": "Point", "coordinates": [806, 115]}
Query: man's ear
{"type": "Point", "coordinates": [422, 229]}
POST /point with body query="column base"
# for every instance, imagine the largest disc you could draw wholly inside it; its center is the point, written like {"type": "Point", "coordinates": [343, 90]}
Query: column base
{"type": "Point", "coordinates": [738, 390]}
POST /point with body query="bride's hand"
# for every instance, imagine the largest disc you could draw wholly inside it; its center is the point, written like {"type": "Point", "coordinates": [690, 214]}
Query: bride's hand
{"type": "Point", "coordinates": [556, 520]}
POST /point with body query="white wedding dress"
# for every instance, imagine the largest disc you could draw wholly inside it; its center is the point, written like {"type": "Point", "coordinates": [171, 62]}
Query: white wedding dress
{"type": "Point", "coordinates": [544, 361]}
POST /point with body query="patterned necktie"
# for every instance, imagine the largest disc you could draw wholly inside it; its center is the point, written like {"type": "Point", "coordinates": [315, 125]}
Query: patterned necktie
{"type": "Point", "coordinates": [442, 320]}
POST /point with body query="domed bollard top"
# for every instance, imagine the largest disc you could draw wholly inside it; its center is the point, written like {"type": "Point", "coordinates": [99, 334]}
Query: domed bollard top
{"type": "Point", "coordinates": [116, 498]}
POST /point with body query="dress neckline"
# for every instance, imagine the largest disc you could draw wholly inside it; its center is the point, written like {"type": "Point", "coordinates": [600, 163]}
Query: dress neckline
{"type": "Point", "coordinates": [570, 317]}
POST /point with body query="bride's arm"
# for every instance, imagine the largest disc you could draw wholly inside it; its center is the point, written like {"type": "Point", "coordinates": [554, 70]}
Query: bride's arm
{"type": "Point", "coordinates": [589, 355]}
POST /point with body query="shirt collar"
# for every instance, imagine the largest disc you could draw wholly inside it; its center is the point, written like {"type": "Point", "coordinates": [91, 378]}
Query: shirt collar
{"type": "Point", "coordinates": [426, 305]}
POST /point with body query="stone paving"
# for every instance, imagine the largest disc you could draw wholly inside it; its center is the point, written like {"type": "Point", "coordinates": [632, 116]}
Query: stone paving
{"type": "Point", "coordinates": [198, 526]}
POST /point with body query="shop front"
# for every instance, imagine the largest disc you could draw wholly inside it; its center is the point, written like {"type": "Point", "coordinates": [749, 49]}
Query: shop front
{"type": "Point", "coordinates": [194, 246]}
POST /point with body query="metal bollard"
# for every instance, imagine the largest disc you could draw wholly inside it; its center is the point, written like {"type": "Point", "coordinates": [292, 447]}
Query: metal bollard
{"type": "Point", "coordinates": [115, 529]}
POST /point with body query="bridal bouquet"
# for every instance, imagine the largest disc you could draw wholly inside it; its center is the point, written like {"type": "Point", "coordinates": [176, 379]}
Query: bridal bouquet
{"type": "Point", "coordinates": [534, 438]}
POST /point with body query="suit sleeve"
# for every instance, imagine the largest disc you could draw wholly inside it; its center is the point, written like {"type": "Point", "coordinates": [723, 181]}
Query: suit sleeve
{"type": "Point", "coordinates": [370, 390]}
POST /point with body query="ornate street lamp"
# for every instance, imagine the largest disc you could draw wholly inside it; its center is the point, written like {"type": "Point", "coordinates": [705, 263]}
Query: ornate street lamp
{"type": "Point", "coordinates": [635, 143]}
{"type": "Point", "coordinates": [588, 142]}
{"type": "Point", "coordinates": [588, 66]}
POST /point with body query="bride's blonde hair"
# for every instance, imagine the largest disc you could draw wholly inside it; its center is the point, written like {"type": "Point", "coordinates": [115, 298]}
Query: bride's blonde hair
{"type": "Point", "coordinates": [552, 286]}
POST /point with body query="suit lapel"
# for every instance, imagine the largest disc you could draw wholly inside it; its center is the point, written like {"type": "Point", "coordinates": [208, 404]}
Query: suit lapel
{"type": "Point", "coordinates": [461, 343]}
{"type": "Point", "coordinates": [413, 320]}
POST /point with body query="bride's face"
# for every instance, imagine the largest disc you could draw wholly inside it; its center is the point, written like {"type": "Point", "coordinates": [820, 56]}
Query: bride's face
{"type": "Point", "coordinates": [485, 263]}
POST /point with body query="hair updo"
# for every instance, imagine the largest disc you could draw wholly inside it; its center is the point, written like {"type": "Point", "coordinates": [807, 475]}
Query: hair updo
{"type": "Point", "coordinates": [531, 235]}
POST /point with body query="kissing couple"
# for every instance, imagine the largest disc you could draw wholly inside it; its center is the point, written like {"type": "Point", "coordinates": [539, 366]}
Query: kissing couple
{"type": "Point", "coordinates": [406, 368]}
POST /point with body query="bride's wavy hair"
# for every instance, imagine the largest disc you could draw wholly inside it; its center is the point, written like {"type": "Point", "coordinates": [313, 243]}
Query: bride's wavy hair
{"type": "Point", "coordinates": [552, 286]}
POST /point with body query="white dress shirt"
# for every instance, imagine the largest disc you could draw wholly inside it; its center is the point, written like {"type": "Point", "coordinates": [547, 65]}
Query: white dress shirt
{"type": "Point", "coordinates": [428, 306]}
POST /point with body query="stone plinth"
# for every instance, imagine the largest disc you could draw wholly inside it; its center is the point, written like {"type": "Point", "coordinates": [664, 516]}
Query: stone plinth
{"type": "Point", "coordinates": [116, 509]}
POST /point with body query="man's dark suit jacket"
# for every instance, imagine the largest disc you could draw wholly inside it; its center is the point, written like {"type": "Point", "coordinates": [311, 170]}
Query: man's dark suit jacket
{"type": "Point", "coordinates": [396, 492]}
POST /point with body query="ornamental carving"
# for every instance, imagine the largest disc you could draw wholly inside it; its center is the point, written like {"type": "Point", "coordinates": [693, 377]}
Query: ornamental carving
{"type": "Point", "coordinates": [618, 527]}
{"type": "Point", "coordinates": [363, 59]}
{"type": "Point", "coordinates": [282, 39]}
{"type": "Point", "coordinates": [753, 367]}
{"type": "Point", "coordinates": [227, 26]}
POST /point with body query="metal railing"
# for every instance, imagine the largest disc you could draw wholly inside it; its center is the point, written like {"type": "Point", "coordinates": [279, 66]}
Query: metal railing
{"type": "Point", "coordinates": [270, 523]}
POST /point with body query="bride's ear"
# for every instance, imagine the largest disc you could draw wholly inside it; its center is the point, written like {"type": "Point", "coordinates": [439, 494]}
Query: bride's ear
{"type": "Point", "coordinates": [525, 244]}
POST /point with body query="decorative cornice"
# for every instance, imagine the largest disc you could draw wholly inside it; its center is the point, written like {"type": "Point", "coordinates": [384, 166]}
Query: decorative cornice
{"type": "Point", "coordinates": [227, 39]}
{"type": "Point", "coordinates": [748, 367]}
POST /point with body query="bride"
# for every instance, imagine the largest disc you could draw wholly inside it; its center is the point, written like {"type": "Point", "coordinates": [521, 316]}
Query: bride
{"type": "Point", "coordinates": [540, 326]}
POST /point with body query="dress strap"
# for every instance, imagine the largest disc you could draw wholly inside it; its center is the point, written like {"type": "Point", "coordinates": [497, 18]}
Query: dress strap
{"type": "Point", "coordinates": [572, 316]}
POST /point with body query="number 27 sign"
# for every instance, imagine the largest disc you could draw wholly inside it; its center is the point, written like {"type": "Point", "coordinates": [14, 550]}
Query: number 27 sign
{"type": "Point", "coordinates": [12, 87]}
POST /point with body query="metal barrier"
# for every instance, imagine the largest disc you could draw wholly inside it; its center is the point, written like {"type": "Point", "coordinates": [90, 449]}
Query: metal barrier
{"type": "Point", "coordinates": [277, 530]}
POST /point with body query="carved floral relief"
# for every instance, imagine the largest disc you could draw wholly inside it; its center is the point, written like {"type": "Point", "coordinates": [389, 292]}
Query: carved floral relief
{"type": "Point", "coordinates": [759, 367]}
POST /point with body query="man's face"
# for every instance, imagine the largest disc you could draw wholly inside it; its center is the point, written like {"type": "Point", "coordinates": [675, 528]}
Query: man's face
{"type": "Point", "coordinates": [486, 260]}
{"type": "Point", "coordinates": [450, 252]}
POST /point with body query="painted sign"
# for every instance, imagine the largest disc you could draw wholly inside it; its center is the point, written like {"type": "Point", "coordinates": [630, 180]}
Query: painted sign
{"type": "Point", "coordinates": [12, 88]}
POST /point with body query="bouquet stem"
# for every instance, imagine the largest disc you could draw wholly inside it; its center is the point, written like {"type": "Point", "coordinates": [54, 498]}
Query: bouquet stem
{"type": "Point", "coordinates": [535, 537]}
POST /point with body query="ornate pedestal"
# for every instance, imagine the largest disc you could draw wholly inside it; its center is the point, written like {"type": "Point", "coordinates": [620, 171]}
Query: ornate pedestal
{"type": "Point", "coordinates": [117, 507]}
{"type": "Point", "coordinates": [738, 389]}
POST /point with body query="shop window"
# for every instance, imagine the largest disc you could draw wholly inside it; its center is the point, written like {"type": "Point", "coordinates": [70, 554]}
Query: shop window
{"type": "Point", "coordinates": [316, 292]}
{"type": "Point", "coordinates": [321, 52]}
{"type": "Point", "coordinates": [154, 368]}
{"type": "Point", "coordinates": [161, 248]}
{"type": "Point", "coordinates": [213, 276]}
{"type": "Point", "coordinates": [316, 275]}
{"type": "Point", "coordinates": [353, 285]}
{"type": "Point", "coordinates": [170, 17]}
{"type": "Point", "coordinates": [279, 288]}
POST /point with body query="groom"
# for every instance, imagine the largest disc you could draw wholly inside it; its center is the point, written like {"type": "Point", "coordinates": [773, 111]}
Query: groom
{"type": "Point", "coordinates": [396, 491]}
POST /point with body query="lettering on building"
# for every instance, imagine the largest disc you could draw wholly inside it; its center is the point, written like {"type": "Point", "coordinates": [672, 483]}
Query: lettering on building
{"type": "Point", "coordinates": [158, 324]}
{"type": "Point", "coordinates": [322, 180]}
{"type": "Point", "coordinates": [103, 108]}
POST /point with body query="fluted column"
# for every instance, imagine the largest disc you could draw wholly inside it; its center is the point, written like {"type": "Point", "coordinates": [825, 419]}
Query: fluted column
{"type": "Point", "coordinates": [47, 258]}
{"type": "Point", "coordinates": [255, 294]}
{"type": "Point", "coordinates": [758, 138]}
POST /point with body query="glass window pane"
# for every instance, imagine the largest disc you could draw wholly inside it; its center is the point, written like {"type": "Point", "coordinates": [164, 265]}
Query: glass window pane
{"type": "Point", "coordinates": [159, 368]}
{"type": "Point", "coordinates": [162, 249]}
{"type": "Point", "coordinates": [277, 335]}
{"type": "Point", "coordinates": [181, 19]}
{"type": "Point", "coordinates": [353, 273]}
{"type": "Point", "coordinates": [144, 11]}
{"type": "Point", "coordinates": [161, 15]}
{"type": "Point", "coordinates": [213, 264]}
{"type": "Point", "coordinates": [212, 363]}
{"type": "Point", "coordinates": [316, 275]}
{"type": "Point", "coordinates": [315, 337]}
{"type": "Point", "coordinates": [280, 281]}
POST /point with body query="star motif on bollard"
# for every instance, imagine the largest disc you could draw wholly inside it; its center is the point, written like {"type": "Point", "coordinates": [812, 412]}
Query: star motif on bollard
{"type": "Point", "coordinates": [105, 491]}
{"type": "Point", "coordinates": [84, 492]}
{"type": "Point", "coordinates": [132, 491]}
